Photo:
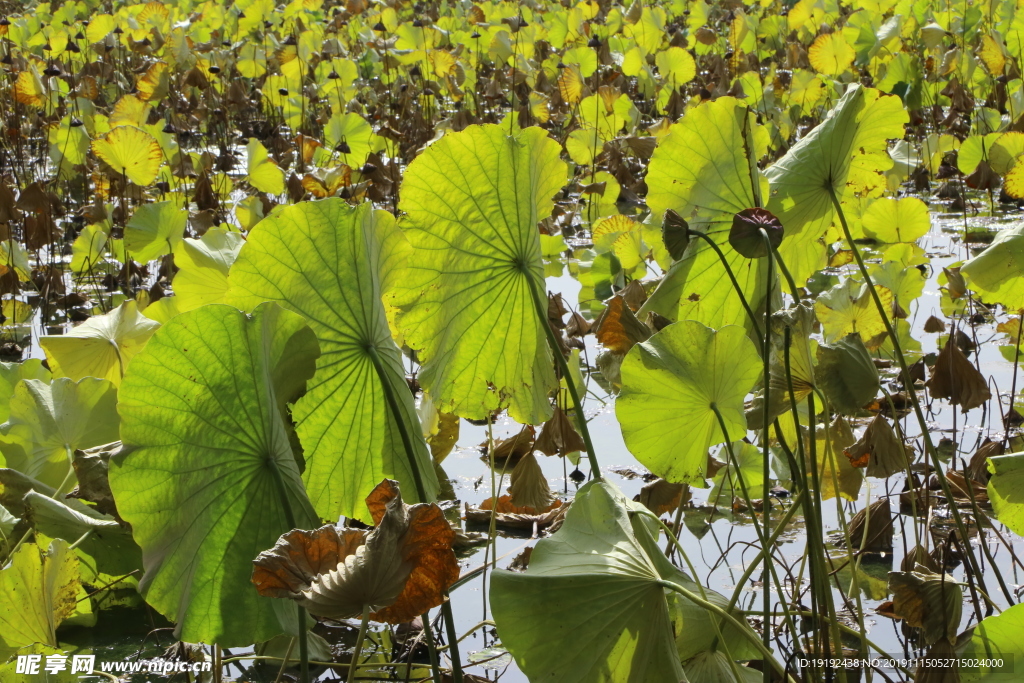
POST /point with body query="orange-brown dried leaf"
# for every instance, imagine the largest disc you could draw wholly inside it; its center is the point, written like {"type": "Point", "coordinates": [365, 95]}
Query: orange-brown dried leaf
{"type": "Point", "coordinates": [663, 497]}
{"type": "Point", "coordinates": [618, 329]}
{"type": "Point", "coordinates": [299, 556]}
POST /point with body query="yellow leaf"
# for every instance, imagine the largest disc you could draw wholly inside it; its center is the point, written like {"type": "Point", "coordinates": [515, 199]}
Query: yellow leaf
{"type": "Point", "coordinates": [129, 110]}
{"type": "Point", "coordinates": [570, 85]}
{"type": "Point", "coordinates": [132, 152]}
{"type": "Point", "coordinates": [831, 54]}
{"type": "Point", "coordinates": [264, 174]}
{"type": "Point", "coordinates": [28, 89]}
{"type": "Point", "coordinates": [896, 220]}
{"type": "Point", "coordinates": [153, 86]}
{"type": "Point", "coordinates": [992, 55]}
{"type": "Point", "coordinates": [443, 63]}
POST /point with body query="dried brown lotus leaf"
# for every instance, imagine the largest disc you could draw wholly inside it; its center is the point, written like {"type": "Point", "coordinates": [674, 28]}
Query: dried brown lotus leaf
{"type": "Point", "coordinates": [401, 568]}
{"type": "Point", "coordinates": [635, 295]}
{"type": "Point", "coordinates": [577, 325]}
{"type": "Point", "coordinates": [663, 497]}
{"type": "Point", "coordinates": [978, 467]}
{"type": "Point", "coordinates": [871, 528]}
{"type": "Point", "coordinates": [918, 555]}
{"type": "Point", "coordinates": [558, 436]}
{"type": "Point", "coordinates": [509, 516]}
{"type": "Point", "coordinates": [879, 449]}
{"type": "Point", "coordinates": [934, 325]}
{"type": "Point", "coordinates": [955, 378]}
{"type": "Point", "coordinates": [618, 329]}
{"type": "Point", "coordinates": [929, 601]}
{"type": "Point", "coordinates": [530, 487]}
{"type": "Point", "coordinates": [514, 447]}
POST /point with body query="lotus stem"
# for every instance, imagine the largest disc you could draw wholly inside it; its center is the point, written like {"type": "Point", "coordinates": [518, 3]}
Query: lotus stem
{"type": "Point", "coordinates": [289, 516]}
{"type": "Point", "coordinates": [732, 278]}
{"type": "Point", "coordinates": [908, 382]}
{"type": "Point", "coordinates": [766, 455]}
{"type": "Point", "coordinates": [453, 638]}
{"type": "Point", "coordinates": [428, 636]}
{"type": "Point", "coordinates": [536, 290]}
{"type": "Point", "coordinates": [359, 644]}
{"type": "Point", "coordinates": [403, 428]}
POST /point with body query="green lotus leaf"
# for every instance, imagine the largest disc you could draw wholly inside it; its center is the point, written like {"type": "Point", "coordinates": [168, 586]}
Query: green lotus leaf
{"type": "Point", "coordinates": [705, 170]}
{"type": "Point", "coordinates": [332, 264]}
{"type": "Point", "coordinates": [669, 385]}
{"type": "Point", "coordinates": [203, 266]}
{"type": "Point", "coordinates": [38, 591]}
{"type": "Point", "coordinates": [896, 220]}
{"type": "Point", "coordinates": [102, 346]}
{"type": "Point", "coordinates": [846, 374]}
{"type": "Point", "coordinates": [998, 272]}
{"type": "Point", "coordinates": [50, 421]}
{"type": "Point", "coordinates": [154, 229]}
{"type": "Point", "coordinates": [1006, 489]}
{"type": "Point", "coordinates": [730, 482]}
{"type": "Point", "coordinates": [12, 373]}
{"type": "Point", "coordinates": [847, 153]}
{"type": "Point", "coordinates": [204, 410]}
{"type": "Point", "coordinates": [473, 200]}
{"type": "Point", "coordinates": [591, 607]}
{"type": "Point", "coordinates": [995, 637]}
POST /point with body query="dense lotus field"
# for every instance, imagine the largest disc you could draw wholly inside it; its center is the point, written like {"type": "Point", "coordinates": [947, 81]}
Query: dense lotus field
{"type": "Point", "coordinates": [565, 341]}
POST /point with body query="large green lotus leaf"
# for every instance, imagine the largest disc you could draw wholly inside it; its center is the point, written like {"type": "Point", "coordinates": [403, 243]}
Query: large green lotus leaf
{"type": "Point", "coordinates": [995, 637]}
{"type": "Point", "coordinates": [49, 421]}
{"type": "Point", "coordinates": [591, 608]}
{"type": "Point", "coordinates": [705, 170]}
{"type": "Point", "coordinates": [800, 321]}
{"type": "Point", "coordinates": [473, 200]}
{"type": "Point", "coordinates": [669, 384]}
{"type": "Point", "coordinates": [102, 346]}
{"type": "Point", "coordinates": [38, 591]}
{"type": "Point", "coordinates": [847, 152]}
{"type": "Point", "coordinates": [998, 272]}
{"type": "Point", "coordinates": [154, 229]}
{"type": "Point", "coordinates": [333, 263]}
{"type": "Point", "coordinates": [203, 407]}
{"type": "Point", "coordinates": [12, 373]}
{"type": "Point", "coordinates": [1006, 489]}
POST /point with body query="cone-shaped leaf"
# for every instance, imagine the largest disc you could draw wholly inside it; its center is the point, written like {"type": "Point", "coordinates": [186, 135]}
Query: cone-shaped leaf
{"type": "Point", "coordinates": [204, 409]}
{"type": "Point", "coordinates": [845, 152]}
{"type": "Point", "coordinates": [669, 385]}
{"type": "Point", "coordinates": [473, 201]}
{"type": "Point", "coordinates": [591, 607]}
{"type": "Point", "coordinates": [333, 263]}
{"type": "Point", "coordinates": [102, 346]}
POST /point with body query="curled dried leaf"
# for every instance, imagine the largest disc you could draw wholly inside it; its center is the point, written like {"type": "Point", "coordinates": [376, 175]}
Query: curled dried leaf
{"type": "Point", "coordinates": [400, 569]}
{"type": "Point", "coordinates": [879, 450]}
{"type": "Point", "coordinates": [530, 487]}
{"type": "Point", "coordinates": [558, 436]}
{"type": "Point", "coordinates": [618, 329]}
{"type": "Point", "coordinates": [871, 528]}
{"type": "Point", "coordinates": [955, 378]}
{"type": "Point", "coordinates": [663, 497]}
{"type": "Point", "coordinates": [929, 601]}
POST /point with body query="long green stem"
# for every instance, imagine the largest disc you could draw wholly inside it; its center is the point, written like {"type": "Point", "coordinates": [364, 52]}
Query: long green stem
{"type": "Point", "coordinates": [453, 639]}
{"type": "Point", "coordinates": [909, 383]}
{"type": "Point", "coordinates": [403, 428]}
{"type": "Point", "coordinates": [766, 456]}
{"type": "Point", "coordinates": [428, 636]}
{"type": "Point", "coordinates": [289, 516]}
{"type": "Point", "coordinates": [581, 418]}
{"type": "Point", "coordinates": [359, 645]}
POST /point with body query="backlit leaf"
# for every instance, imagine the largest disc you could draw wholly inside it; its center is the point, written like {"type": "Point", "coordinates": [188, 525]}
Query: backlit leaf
{"type": "Point", "coordinates": [130, 151]}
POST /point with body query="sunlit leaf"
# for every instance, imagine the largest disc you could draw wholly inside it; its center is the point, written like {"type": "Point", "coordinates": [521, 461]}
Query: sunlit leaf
{"type": "Point", "coordinates": [44, 587]}
{"type": "Point", "coordinates": [130, 151]}
{"type": "Point", "coordinates": [262, 173]}
{"type": "Point", "coordinates": [154, 230]}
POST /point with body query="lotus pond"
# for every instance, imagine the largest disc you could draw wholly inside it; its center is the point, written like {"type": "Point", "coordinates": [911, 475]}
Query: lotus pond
{"type": "Point", "coordinates": [541, 341]}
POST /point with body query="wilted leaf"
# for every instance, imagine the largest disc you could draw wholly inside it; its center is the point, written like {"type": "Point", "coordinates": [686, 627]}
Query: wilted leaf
{"type": "Point", "coordinates": [955, 378]}
{"type": "Point", "coordinates": [879, 450]}
{"type": "Point", "coordinates": [529, 487]}
{"type": "Point", "coordinates": [846, 374]}
{"type": "Point", "coordinates": [927, 600]}
{"type": "Point", "coordinates": [663, 497]}
{"type": "Point", "coordinates": [558, 436]}
{"type": "Point", "coordinates": [871, 528]}
{"type": "Point", "coordinates": [618, 329]}
{"type": "Point", "coordinates": [400, 569]}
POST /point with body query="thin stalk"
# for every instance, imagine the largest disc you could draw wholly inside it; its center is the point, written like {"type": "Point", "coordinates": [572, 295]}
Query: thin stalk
{"type": "Point", "coordinates": [359, 644]}
{"type": "Point", "coordinates": [428, 636]}
{"type": "Point", "coordinates": [908, 382]}
{"type": "Point", "coordinates": [453, 639]}
{"type": "Point", "coordinates": [785, 273]}
{"type": "Point", "coordinates": [403, 428]}
{"type": "Point", "coordinates": [563, 366]}
{"type": "Point", "coordinates": [289, 516]}
{"type": "Point", "coordinates": [732, 278]}
{"type": "Point", "coordinates": [766, 464]}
